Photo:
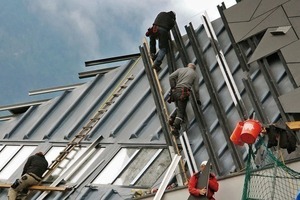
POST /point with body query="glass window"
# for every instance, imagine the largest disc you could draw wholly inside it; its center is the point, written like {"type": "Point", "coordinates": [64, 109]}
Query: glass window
{"type": "Point", "coordinates": [7, 153]}
{"type": "Point", "coordinates": [136, 166]}
{"type": "Point", "coordinates": [64, 165]}
{"type": "Point", "coordinates": [17, 160]}
{"type": "Point", "coordinates": [115, 166]}
{"type": "Point", "coordinates": [157, 168]}
{"type": "Point", "coordinates": [88, 161]}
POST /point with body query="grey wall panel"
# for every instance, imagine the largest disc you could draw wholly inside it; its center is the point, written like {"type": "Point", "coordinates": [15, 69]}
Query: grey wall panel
{"type": "Point", "coordinates": [295, 71]}
{"type": "Point", "coordinates": [267, 5]}
{"type": "Point", "coordinates": [295, 21]}
{"type": "Point", "coordinates": [288, 101]}
{"type": "Point", "coordinates": [241, 12]}
{"type": "Point", "coordinates": [241, 29]}
{"type": "Point", "coordinates": [292, 8]}
{"type": "Point", "coordinates": [271, 43]}
{"type": "Point", "coordinates": [275, 19]}
{"type": "Point", "coordinates": [290, 53]}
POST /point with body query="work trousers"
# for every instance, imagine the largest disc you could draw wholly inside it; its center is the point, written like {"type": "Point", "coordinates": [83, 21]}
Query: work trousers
{"type": "Point", "coordinates": [19, 188]}
{"type": "Point", "coordinates": [180, 97]}
{"type": "Point", "coordinates": [163, 43]}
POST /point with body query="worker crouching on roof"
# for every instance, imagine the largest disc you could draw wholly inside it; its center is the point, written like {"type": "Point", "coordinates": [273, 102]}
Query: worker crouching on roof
{"type": "Point", "coordinates": [213, 185]}
{"type": "Point", "coordinates": [181, 82]}
{"type": "Point", "coordinates": [33, 170]}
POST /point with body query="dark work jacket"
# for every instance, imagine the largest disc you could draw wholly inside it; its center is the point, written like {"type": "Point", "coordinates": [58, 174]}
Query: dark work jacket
{"type": "Point", "coordinates": [165, 20]}
{"type": "Point", "coordinates": [36, 164]}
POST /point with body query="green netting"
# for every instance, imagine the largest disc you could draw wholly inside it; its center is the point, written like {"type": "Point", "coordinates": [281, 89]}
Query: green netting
{"type": "Point", "coordinates": [267, 178]}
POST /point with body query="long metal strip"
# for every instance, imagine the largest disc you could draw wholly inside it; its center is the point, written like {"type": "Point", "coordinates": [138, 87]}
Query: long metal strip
{"type": "Point", "coordinates": [167, 177]}
{"type": "Point", "coordinates": [227, 75]}
{"type": "Point", "coordinates": [236, 155]}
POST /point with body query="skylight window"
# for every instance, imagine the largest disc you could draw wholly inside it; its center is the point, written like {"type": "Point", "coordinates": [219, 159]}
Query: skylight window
{"type": "Point", "coordinates": [88, 161]}
{"type": "Point", "coordinates": [116, 165]}
{"type": "Point", "coordinates": [135, 167]}
{"type": "Point", "coordinates": [65, 164]}
{"type": "Point", "coordinates": [12, 157]}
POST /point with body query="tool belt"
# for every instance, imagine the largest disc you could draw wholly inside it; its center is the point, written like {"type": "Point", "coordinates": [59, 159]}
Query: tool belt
{"type": "Point", "coordinates": [185, 93]}
{"type": "Point", "coordinates": [179, 94]}
{"type": "Point", "coordinates": [35, 177]}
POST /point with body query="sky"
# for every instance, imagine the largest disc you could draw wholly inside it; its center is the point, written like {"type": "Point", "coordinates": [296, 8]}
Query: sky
{"type": "Point", "coordinates": [44, 43]}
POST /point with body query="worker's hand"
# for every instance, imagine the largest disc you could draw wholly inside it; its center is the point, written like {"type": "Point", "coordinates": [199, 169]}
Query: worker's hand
{"type": "Point", "coordinates": [202, 191]}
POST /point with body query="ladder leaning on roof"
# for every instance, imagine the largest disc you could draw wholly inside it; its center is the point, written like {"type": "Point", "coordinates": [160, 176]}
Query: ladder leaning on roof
{"type": "Point", "coordinates": [162, 109]}
{"type": "Point", "coordinates": [83, 133]}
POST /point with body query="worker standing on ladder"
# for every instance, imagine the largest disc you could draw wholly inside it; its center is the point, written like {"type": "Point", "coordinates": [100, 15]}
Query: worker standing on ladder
{"type": "Point", "coordinates": [160, 30]}
{"type": "Point", "coordinates": [181, 82]}
{"type": "Point", "coordinates": [33, 170]}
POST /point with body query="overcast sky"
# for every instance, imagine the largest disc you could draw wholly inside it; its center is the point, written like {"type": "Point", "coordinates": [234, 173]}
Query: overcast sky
{"type": "Point", "coordinates": [44, 43]}
{"type": "Point", "coordinates": [106, 26]}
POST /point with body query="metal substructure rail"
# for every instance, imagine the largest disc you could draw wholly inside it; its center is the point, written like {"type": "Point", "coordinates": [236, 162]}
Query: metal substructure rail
{"type": "Point", "coordinates": [83, 133]}
{"type": "Point", "coordinates": [230, 82]}
{"type": "Point", "coordinates": [248, 84]}
{"type": "Point", "coordinates": [162, 109]}
{"type": "Point", "coordinates": [199, 116]}
{"type": "Point", "coordinates": [236, 155]}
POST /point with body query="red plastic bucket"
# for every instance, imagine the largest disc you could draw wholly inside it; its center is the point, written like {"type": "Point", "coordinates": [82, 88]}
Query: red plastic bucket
{"type": "Point", "coordinates": [236, 134]}
{"type": "Point", "coordinates": [251, 130]}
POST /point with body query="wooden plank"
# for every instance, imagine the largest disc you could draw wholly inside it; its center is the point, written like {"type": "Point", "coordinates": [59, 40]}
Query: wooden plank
{"type": "Point", "coordinates": [40, 187]}
{"type": "Point", "coordinates": [295, 125]}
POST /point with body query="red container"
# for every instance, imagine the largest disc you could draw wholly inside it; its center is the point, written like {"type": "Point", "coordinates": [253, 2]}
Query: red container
{"type": "Point", "coordinates": [236, 134]}
{"type": "Point", "coordinates": [251, 130]}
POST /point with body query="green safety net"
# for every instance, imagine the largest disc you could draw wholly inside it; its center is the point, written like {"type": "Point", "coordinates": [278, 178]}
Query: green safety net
{"type": "Point", "coordinates": [268, 178]}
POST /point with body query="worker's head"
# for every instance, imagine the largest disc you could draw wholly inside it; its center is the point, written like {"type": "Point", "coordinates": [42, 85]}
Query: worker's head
{"type": "Point", "coordinates": [192, 65]}
{"type": "Point", "coordinates": [202, 165]}
{"type": "Point", "coordinates": [172, 14]}
{"type": "Point", "coordinates": [39, 153]}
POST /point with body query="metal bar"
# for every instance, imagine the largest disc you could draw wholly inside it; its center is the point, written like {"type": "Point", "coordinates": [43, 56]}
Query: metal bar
{"type": "Point", "coordinates": [236, 48]}
{"type": "Point", "coordinates": [190, 152]}
{"type": "Point", "coordinates": [23, 106]}
{"type": "Point", "coordinates": [287, 70]}
{"type": "Point", "coordinates": [167, 177]}
{"type": "Point", "coordinates": [93, 73]}
{"type": "Point", "coordinates": [230, 82]}
{"type": "Point", "coordinates": [111, 59]}
{"type": "Point", "coordinates": [180, 45]}
{"type": "Point", "coordinates": [236, 155]}
{"type": "Point", "coordinates": [54, 89]}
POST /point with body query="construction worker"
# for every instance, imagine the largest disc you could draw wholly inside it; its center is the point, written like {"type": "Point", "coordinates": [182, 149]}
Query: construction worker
{"type": "Point", "coordinates": [213, 185]}
{"type": "Point", "coordinates": [160, 31]}
{"type": "Point", "coordinates": [181, 82]}
{"type": "Point", "coordinates": [33, 170]}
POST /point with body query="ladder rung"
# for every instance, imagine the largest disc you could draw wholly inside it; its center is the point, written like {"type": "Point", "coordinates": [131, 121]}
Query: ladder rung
{"type": "Point", "coordinates": [87, 127]}
{"type": "Point", "coordinates": [109, 102]}
{"type": "Point", "coordinates": [79, 136]}
{"type": "Point", "coordinates": [72, 143]}
{"type": "Point", "coordinates": [62, 152]}
{"type": "Point", "coordinates": [130, 77]}
{"type": "Point", "coordinates": [102, 110]}
{"type": "Point", "coordinates": [95, 119]}
{"type": "Point", "coordinates": [117, 94]}
{"type": "Point", "coordinates": [123, 86]}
